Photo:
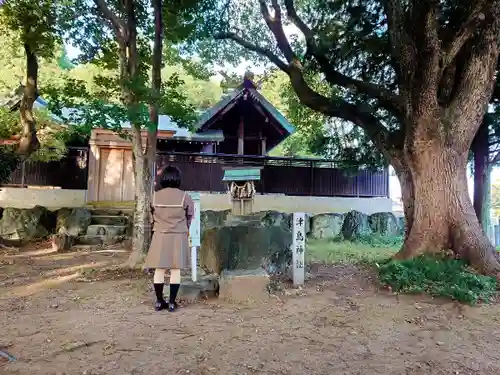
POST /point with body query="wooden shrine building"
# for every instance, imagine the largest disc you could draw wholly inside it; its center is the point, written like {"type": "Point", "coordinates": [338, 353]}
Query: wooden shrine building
{"type": "Point", "coordinates": [242, 123]}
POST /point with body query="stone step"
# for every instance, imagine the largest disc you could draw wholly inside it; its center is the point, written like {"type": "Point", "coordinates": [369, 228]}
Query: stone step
{"type": "Point", "coordinates": [204, 287]}
{"type": "Point", "coordinates": [244, 286]}
{"type": "Point", "coordinates": [119, 220]}
{"type": "Point", "coordinates": [111, 211]}
{"type": "Point", "coordinates": [96, 240]}
{"type": "Point", "coordinates": [106, 230]}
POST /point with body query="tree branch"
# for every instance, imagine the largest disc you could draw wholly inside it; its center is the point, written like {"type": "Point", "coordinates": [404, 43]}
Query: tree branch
{"type": "Point", "coordinates": [476, 81]}
{"type": "Point", "coordinates": [396, 26]}
{"type": "Point", "coordinates": [466, 31]}
{"type": "Point", "coordinates": [402, 47]}
{"type": "Point", "coordinates": [297, 21]}
{"type": "Point", "coordinates": [357, 114]}
{"type": "Point", "coordinates": [361, 115]}
{"type": "Point", "coordinates": [496, 158]}
{"type": "Point", "coordinates": [425, 65]}
{"type": "Point", "coordinates": [255, 48]}
{"type": "Point", "coordinates": [114, 20]}
{"type": "Point", "coordinates": [387, 99]}
{"type": "Point", "coordinates": [274, 24]}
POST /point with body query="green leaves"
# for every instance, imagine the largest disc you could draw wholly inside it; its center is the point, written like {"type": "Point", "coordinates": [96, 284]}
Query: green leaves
{"type": "Point", "coordinates": [52, 136]}
{"type": "Point", "coordinates": [34, 23]}
{"type": "Point", "coordinates": [9, 123]}
{"type": "Point", "coordinates": [98, 99]}
{"type": "Point", "coordinates": [439, 277]}
{"type": "Point", "coordinates": [350, 34]}
{"type": "Point", "coordinates": [97, 104]}
{"type": "Point", "coordinates": [8, 163]}
{"type": "Point", "coordinates": [317, 134]}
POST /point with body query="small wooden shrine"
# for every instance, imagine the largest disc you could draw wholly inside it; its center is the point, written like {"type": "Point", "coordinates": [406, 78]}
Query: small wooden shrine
{"type": "Point", "coordinates": [241, 184]}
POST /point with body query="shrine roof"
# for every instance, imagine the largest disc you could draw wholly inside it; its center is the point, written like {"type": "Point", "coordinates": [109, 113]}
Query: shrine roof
{"type": "Point", "coordinates": [230, 100]}
{"type": "Point", "coordinates": [241, 174]}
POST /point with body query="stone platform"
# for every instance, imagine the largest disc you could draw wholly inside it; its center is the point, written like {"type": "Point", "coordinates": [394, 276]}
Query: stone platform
{"type": "Point", "coordinates": [205, 287]}
{"type": "Point", "coordinates": [244, 286]}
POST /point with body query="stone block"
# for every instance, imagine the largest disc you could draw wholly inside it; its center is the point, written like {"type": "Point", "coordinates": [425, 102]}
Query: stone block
{"type": "Point", "coordinates": [355, 225]}
{"type": "Point", "coordinates": [325, 226]}
{"type": "Point", "coordinates": [384, 224]}
{"type": "Point", "coordinates": [210, 219]}
{"type": "Point", "coordinates": [95, 240]}
{"type": "Point", "coordinates": [204, 287]}
{"type": "Point", "coordinates": [246, 245]}
{"type": "Point", "coordinates": [73, 221]}
{"type": "Point", "coordinates": [25, 225]}
{"type": "Point", "coordinates": [106, 230]}
{"type": "Point", "coordinates": [244, 286]}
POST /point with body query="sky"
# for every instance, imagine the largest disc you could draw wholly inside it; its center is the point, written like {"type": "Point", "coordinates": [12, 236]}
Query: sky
{"type": "Point", "coordinates": [73, 52]}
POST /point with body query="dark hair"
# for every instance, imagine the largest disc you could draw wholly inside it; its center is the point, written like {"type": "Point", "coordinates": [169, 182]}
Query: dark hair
{"type": "Point", "coordinates": [170, 177]}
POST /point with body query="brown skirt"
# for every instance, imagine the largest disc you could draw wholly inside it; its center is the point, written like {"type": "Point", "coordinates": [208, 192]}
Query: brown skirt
{"type": "Point", "coordinates": [168, 250]}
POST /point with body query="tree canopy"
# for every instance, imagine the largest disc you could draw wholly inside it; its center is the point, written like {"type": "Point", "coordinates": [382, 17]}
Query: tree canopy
{"type": "Point", "coordinates": [353, 48]}
{"type": "Point", "coordinates": [35, 28]}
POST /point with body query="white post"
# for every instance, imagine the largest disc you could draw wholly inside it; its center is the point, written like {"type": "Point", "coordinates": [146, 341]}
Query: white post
{"type": "Point", "coordinates": [195, 235]}
{"type": "Point", "coordinates": [298, 247]}
{"type": "Point", "coordinates": [194, 266]}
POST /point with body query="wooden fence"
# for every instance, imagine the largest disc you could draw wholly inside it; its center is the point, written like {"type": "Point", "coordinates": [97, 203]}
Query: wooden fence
{"type": "Point", "coordinates": [203, 172]}
{"type": "Point", "coordinates": [68, 173]}
{"type": "Point", "coordinates": [289, 176]}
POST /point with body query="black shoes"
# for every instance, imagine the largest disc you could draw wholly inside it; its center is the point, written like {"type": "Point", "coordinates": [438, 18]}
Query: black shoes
{"type": "Point", "coordinates": [161, 304]}
{"type": "Point", "coordinates": [171, 307]}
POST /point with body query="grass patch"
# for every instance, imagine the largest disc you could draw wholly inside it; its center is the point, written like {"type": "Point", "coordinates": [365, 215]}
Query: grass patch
{"type": "Point", "coordinates": [378, 241]}
{"type": "Point", "coordinates": [438, 277]}
{"type": "Point", "coordinates": [340, 251]}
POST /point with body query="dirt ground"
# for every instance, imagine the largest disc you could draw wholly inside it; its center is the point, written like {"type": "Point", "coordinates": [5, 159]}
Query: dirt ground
{"type": "Point", "coordinates": [56, 321]}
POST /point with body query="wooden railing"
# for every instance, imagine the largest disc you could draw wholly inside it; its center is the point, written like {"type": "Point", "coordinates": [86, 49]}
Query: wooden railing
{"type": "Point", "coordinates": [289, 176]}
{"type": "Point", "coordinates": [204, 172]}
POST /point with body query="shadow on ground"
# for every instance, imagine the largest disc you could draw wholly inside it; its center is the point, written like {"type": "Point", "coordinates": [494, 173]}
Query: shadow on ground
{"type": "Point", "coordinates": [61, 314]}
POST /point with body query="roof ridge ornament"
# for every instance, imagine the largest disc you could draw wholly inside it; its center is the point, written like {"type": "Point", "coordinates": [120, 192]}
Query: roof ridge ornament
{"type": "Point", "coordinates": [248, 82]}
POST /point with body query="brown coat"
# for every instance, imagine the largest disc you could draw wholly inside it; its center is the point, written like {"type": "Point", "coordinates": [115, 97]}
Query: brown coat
{"type": "Point", "coordinates": [172, 211]}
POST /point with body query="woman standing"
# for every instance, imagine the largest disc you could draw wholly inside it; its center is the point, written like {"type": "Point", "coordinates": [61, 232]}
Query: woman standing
{"type": "Point", "coordinates": [172, 211]}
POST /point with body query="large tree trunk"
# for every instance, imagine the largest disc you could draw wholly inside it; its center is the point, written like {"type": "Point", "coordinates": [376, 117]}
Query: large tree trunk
{"type": "Point", "coordinates": [10, 159]}
{"type": "Point", "coordinates": [28, 142]}
{"type": "Point", "coordinates": [482, 176]}
{"type": "Point", "coordinates": [144, 159]}
{"type": "Point", "coordinates": [141, 235]}
{"type": "Point", "coordinates": [442, 215]}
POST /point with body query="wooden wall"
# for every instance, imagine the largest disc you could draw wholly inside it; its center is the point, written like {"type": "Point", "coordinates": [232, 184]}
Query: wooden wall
{"type": "Point", "coordinates": [116, 175]}
{"type": "Point", "coordinates": [111, 174]}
